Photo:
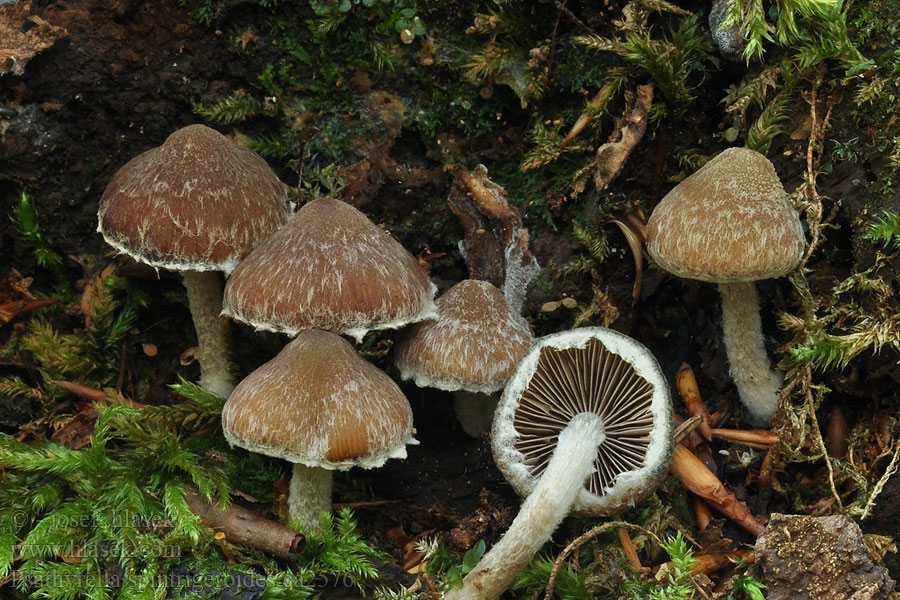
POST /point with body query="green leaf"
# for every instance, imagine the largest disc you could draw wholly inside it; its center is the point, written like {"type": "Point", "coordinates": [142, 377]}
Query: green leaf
{"type": "Point", "coordinates": [472, 556]}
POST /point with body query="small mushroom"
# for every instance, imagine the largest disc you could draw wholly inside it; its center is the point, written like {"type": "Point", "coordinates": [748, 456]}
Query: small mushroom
{"type": "Point", "coordinates": [731, 223]}
{"type": "Point", "coordinates": [329, 268]}
{"type": "Point", "coordinates": [583, 427]}
{"type": "Point", "coordinates": [196, 204]}
{"type": "Point", "coordinates": [470, 348]}
{"type": "Point", "coordinates": [321, 406]}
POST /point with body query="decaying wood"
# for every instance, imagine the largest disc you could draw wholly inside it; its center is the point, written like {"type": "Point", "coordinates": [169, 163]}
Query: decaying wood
{"type": "Point", "coordinates": [242, 526]}
{"type": "Point", "coordinates": [78, 429]}
{"type": "Point", "coordinates": [693, 402]}
{"type": "Point", "coordinates": [493, 230]}
{"type": "Point", "coordinates": [612, 155]}
{"type": "Point", "coordinates": [23, 35]}
{"type": "Point", "coordinates": [484, 251]}
{"type": "Point", "coordinates": [9, 310]}
{"type": "Point", "coordinates": [696, 477]}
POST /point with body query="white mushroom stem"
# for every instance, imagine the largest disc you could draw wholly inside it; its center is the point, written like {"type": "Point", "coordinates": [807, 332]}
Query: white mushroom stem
{"type": "Point", "coordinates": [757, 384]}
{"type": "Point", "coordinates": [309, 495]}
{"type": "Point", "coordinates": [541, 513]}
{"type": "Point", "coordinates": [474, 411]}
{"type": "Point", "coordinates": [204, 292]}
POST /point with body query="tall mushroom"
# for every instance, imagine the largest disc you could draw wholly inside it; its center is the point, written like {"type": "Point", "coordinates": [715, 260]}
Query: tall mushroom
{"type": "Point", "coordinates": [196, 204]}
{"type": "Point", "coordinates": [470, 347]}
{"type": "Point", "coordinates": [321, 406]}
{"type": "Point", "coordinates": [329, 268]}
{"type": "Point", "coordinates": [583, 427]}
{"type": "Point", "coordinates": [731, 223]}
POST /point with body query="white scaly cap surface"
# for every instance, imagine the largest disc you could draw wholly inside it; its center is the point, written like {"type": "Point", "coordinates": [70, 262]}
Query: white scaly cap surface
{"type": "Point", "coordinates": [627, 356]}
{"type": "Point", "coordinates": [329, 268]}
{"type": "Point", "coordinates": [473, 343]}
{"type": "Point", "coordinates": [197, 202]}
{"type": "Point", "coordinates": [729, 222]}
{"type": "Point", "coordinates": [320, 404]}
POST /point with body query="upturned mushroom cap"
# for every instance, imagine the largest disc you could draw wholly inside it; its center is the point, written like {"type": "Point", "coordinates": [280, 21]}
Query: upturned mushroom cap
{"type": "Point", "coordinates": [320, 404]}
{"type": "Point", "coordinates": [473, 343]}
{"type": "Point", "coordinates": [329, 268]}
{"type": "Point", "coordinates": [198, 202]}
{"type": "Point", "coordinates": [587, 370]}
{"type": "Point", "coordinates": [728, 222]}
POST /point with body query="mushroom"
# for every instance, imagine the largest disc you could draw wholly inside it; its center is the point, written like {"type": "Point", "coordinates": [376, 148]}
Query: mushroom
{"type": "Point", "coordinates": [731, 223]}
{"type": "Point", "coordinates": [196, 204]}
{"type": "Point", "coordinates": [470, 348]}
{"type": "Point", "coordinates": [329, 268]}
{"type": "Point", "coordinates": [584, 427]}
{"type": "Point", "coordinates": [321, 406]}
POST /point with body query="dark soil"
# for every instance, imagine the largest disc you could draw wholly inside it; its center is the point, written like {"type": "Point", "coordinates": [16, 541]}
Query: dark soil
{"type": "Point", "coordinates": [125, 75]}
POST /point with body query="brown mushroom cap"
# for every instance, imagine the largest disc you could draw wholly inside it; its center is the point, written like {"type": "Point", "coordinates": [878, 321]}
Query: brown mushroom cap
{"type": "Point", "coordinates": [728, 222]}
{"type": "Point", "coordinates": [329, 268]}
{"type": "Point", "coordinates": [319, 403]}
{"type": "Point", "coordinates": [587, 370]}
{"type": "Point", "coordinates": [198, 202]}
{"type": "Point", "coordinates": [472, 344]}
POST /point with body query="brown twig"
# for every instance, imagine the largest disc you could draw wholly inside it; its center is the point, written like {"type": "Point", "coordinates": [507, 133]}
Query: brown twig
{"type": "Point", "coordinates": [758, 439]}
{"type": "Point", "coordinates": [709, 563]}
{"type": "Point", "coordinates": [82, 391]}
{"type": "Point", "coordinates": [242, 526]}
{"type": "Point", "coordinates": [629, 549]}
{"type": "Point", "coordinates": [693, 402]}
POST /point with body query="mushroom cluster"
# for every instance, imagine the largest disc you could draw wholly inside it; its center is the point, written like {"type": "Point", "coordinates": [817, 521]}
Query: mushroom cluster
{"type": "Point", "coordinates": [584, 422]}
{"type": "Point", "coordinates": [328, 271]}
{"type": "Point", "coordinates": [201, 204]}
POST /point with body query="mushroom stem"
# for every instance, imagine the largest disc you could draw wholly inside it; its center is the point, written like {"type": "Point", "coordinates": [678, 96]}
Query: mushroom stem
{"type": "Point", "coordinates": [309, 495]}
{"type": "Point", "coordinates": [474, 411]}
{"type": "Point", "coordinates": [541, 513]}
{"type": "Point", "coordinates": [757, 384]}
{"type": "Point", "coordinates": [204, 292]}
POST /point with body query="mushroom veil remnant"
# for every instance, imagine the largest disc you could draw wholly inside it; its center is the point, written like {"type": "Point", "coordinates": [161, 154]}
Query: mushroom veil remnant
{"type": "Point", "coordinates": [584, 427]}
{"type": "Point", "coordinates": [196, 204]}
{"type": "Point", "coordinates": [329, 268]}
{"type": "Point", "coordinates": [321, 406]}
{"type": "Point", "coordinates": [731, 223]}
{"type": "Point", "coordinates": [470, 347]}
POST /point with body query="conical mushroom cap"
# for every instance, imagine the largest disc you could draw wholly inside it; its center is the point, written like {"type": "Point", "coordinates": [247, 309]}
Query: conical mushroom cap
{"type": "Point", "coordinates": [728, 222]}
{"type": "Point", "coordinates": [198, 202]}
{"type": "Point", "coordinates": [472, 344]}
{"type": "Point", "coordinates": [329, 268]}
{"type": "Point", "coordinates": [596, 370]}
{"type": "Point", "coordinates": [319, 403]}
